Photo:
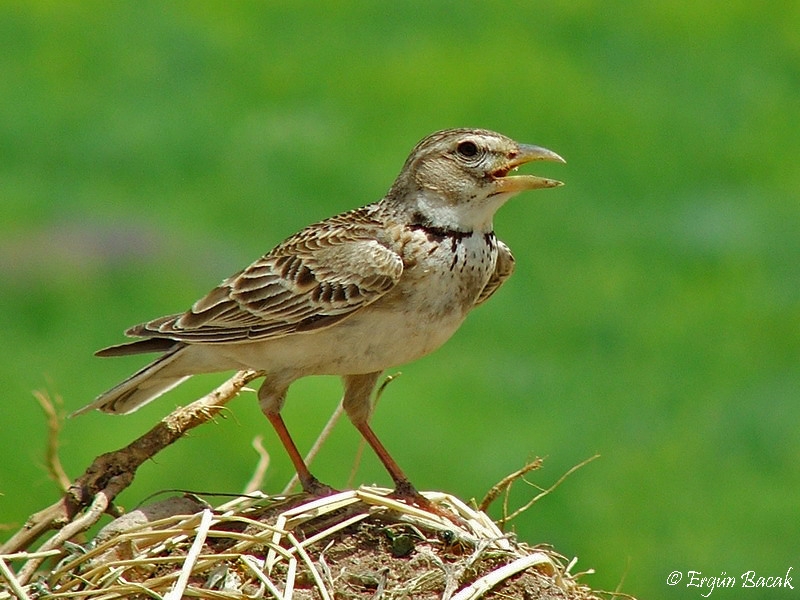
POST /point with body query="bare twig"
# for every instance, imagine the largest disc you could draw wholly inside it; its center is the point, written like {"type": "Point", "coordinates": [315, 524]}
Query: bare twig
{"type": "Point", "coordinates": [55, 418]}
{"type": "Point", "coordinates": [74, 527]}
{"type": "Point", "coordinates": [506, 482]}
{"type": "Point", "coordinates": [506, 518]}
{"type": "Point", "coordinates": [54, 516]}
{"type": "Point", "coordinates": [261, 467]}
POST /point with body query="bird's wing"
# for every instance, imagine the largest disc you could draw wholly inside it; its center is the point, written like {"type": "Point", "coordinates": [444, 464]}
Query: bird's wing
{"type": "Point", "coordinates": [502, 271]}
{"type": "Point", "coordinates": [314, 279]}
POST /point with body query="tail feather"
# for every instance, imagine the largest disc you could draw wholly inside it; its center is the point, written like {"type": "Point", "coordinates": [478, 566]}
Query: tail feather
{"type": "Point", "coordinates": [139, 347]}
{"type": "Point", "coordinates": [142, 387]}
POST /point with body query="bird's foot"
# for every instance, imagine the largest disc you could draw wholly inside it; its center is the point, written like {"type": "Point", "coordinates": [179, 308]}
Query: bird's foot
{"type": "Point", "coordinates": [314, 487]}
{"type": "Point", "coordinates": [406, 492]}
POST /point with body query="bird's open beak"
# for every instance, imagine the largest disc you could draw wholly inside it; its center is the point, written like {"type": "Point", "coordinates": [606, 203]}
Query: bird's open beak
{"type": "Point", "coordinates": [519, 183]}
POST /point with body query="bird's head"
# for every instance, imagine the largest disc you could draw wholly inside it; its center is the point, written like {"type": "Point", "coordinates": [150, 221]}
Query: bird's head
{"type": "Point", "coordinates": [458, 178]}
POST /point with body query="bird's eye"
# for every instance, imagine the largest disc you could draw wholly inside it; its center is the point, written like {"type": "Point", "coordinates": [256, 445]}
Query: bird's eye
{"type": "Point", "coordinates": [468, 149]}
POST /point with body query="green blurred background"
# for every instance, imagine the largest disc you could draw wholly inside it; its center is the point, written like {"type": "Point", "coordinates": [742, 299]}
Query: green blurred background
{"type": "Point", "coordinates": [147, 150]}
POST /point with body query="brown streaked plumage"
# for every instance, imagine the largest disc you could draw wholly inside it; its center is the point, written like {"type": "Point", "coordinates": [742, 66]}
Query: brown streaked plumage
{"type": "Point", "coordinates": [354, 294]}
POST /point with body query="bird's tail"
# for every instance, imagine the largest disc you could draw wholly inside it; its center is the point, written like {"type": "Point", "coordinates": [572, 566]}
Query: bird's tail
{"type": "Point", "coordinates": [142, 387]}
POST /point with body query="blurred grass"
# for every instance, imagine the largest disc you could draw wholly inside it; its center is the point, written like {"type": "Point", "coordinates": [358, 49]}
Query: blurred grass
{"type": "Point", "coordinates": [149, 150]}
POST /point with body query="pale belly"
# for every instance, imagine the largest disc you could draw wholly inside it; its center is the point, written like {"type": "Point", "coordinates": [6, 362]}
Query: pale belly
{"type": "Point", "coordinates": [371, 342]}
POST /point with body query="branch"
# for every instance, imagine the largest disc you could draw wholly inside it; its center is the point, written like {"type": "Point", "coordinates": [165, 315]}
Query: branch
{"type": "Point", "coordinates": [112, 472]}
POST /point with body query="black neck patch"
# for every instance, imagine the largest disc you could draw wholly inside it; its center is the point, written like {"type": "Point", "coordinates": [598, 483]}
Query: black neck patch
{"type": "Point", "coordinates": [434, 233]}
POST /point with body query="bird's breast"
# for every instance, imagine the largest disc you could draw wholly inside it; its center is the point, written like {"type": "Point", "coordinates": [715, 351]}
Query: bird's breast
{"type": "Point", "coordinates": [444, 271]}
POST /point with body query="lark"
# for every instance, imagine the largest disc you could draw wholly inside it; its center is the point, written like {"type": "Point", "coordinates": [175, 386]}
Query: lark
{"type": "Point", "coordinates": [353, 295]}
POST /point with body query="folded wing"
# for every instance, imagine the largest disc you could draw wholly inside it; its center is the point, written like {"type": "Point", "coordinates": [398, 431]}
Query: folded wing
{"type": "Point", "coordinates": [314, 279]}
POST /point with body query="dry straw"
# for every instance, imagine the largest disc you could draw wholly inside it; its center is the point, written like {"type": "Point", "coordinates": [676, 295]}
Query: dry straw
{"type": "Point", "coordinates": [359, 544]}
{"type": "Point", "coordinates": [354, 544]}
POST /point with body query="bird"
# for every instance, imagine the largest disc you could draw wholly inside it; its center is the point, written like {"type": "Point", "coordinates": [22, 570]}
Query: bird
{"type": "Point", "coordinates": [352, 295]}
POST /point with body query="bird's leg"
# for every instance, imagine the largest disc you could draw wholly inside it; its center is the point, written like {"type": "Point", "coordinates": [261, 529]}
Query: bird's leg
{"type": "Point", "coordinates": [357, 403]}
{"type": "Point", "coordinates": [311, 485]}
{"type": "Point", "coordinates": [271, 404]}
{"type": "Point", "coordinates": [402, 486]}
